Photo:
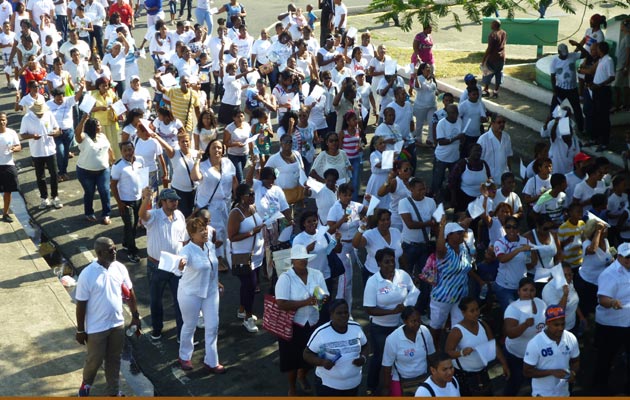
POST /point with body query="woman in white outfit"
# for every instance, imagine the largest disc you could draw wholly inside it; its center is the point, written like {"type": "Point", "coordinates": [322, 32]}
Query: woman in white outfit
{"type": "Point", "coordinates": [397, 184]}
{"type": "Point", "coordinates": [199, 290]}
{"type": "Point", "coordinates": [425, 104]}
{"type": "Point", "coordinates": [217, 178]}
{"type": "Point", "coordinates": [244, 231]}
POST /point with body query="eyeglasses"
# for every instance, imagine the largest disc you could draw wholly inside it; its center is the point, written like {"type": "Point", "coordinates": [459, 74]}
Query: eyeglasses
{"type": "Point", "coordinates": [511, 227]}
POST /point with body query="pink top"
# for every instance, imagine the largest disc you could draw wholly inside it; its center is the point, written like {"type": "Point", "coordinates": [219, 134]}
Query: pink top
{"type": "Point", "coordinates": [425, 52]}
{"type": "Point", "coordinates": [351, 144]}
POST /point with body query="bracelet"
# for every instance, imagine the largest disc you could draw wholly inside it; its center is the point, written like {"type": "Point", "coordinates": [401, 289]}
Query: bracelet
{"type": "Point", "coordinates": [364, 358]}
{"type": "Point", "coordinates": [80, 331]}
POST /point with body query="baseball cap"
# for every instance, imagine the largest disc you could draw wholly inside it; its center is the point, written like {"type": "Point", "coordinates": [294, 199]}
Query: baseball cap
{"type": "Point", "coordinates": [554, 312]}
{"type": "Point", "coordinates": [168, 194]}
{"type": "Point", "coordinates": [624, 249]}
{"type": "Point", "coordinates": [359, 72]}
{"type": "Point", "coordinates": [452, 227]}
{"type": "Point", "coordinates": [579, 157]}
{"type": "Point", "coordinates": [134, 77]}
{"type": "Point", "coordinates": [563, 50]}
{"type": "Point", "coordinates": [469, 77]}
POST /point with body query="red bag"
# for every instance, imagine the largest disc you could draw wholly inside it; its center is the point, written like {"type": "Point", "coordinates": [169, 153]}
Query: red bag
{"type": "Point", "coordinates": [275, 321]}
{"type": "Point", "coordinates": [429, 273]}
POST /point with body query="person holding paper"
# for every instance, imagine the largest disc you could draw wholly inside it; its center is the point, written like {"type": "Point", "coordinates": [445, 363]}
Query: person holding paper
{"type": "Point", "coordinates": [398, 185]}
{"type": "Point", "coordinates": [596, 259]}
{"type": "Point", "coordinates": [115, 60]}
{"type": "Point", "coordinates": [471, 367]}
{"type": "Point", "coordinates": [389, 130]}
{"type": "Point", "coordinates": [385, 296]}
{"type": "Point", "coordinates": [93, 167]}
{"type": "Point", "coordinates": [567, 298]}
{"type": "Point", "coordinates": [473, 115]}
{"type": "Point", "coordinates": [378, 175]}
{"type": "Point", "coordinates": [564, 145]}
{"type": "Point", "coordinates": [612, 318]}
{"type": "Point", "coordinates": [552, 358]}
{"type": "Point", "coordinates": [523, 319]}
{"type": "Point", "coordinates": [103, 112]}
{"type": "Point", "coordinates": [379, 235]}
{"type": "Point", "coordinates": [548, 250]}
{"type": "Point", "coordinates": [405, 355]}
{"type": "Point", "coordinates": [244, 228]}
{"type": "Point", "coordinates": [331, 156]}
{"type": "Point", "coordinates": [295, 292]}
{"type": "Point", "coordinates": [125, 186]}
{"type": "Point", "coordinates": [449, 136]}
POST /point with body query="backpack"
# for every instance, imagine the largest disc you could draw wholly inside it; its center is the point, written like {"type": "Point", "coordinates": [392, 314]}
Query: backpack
{"type": "Point", "coordinates": [430, 389]}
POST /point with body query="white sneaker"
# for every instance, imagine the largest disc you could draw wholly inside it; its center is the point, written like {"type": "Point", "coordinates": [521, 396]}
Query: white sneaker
{"type": "Point", "coordinates": [200, 322]}
{"type": "Point", "coordinates": [250, 325]}
{"type": "Point", "coordinates": [242, 315]}
{"type": "Point", "coordinates": [44, 204]}
{"type": "Point", "coordinates": [57, 203]}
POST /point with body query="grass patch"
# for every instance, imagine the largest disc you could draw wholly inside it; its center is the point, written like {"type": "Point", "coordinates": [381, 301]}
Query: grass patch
{"type": "Point", "coordinates": [526, 73]}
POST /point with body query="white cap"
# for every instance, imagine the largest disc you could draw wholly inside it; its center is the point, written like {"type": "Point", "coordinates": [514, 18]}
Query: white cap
{"type": "Point", "coordinates": [624, 249]}
{"type": "Point", "coordinates": [452, 227]}
{"type": "Point", "coordinates": [298, 252]}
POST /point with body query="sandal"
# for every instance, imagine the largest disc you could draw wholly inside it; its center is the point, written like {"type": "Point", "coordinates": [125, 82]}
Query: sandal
{"type": "Point", "coordinates": [495, 95]}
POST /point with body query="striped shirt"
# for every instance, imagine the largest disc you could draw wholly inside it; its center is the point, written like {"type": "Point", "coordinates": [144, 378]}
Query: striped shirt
{"type": "Point", "coordinates": [573, 251]}
{"type": "Point", "coordinates": [453, 271]}
{"type": "Point", "coordinates": [182, 106]}
{"type": "Point", "coordinates": [352, 144]}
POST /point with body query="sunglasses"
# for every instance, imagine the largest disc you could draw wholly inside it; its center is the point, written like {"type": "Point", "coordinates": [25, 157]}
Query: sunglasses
{"type": "Point", "coordinates": [511, 227]}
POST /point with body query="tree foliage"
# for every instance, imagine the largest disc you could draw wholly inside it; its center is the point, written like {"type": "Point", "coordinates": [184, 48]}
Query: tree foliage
{"type": "Point", "coordinates": [428, 12]}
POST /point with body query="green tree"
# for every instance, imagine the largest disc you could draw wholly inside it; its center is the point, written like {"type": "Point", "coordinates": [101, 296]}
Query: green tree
{"type": "Point", "coordinates": [430, 11]}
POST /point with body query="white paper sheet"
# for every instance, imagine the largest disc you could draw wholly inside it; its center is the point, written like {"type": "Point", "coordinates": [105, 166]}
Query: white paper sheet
{"type": "Point", "coordinates": [467, 124]}
{"type": "Point", "coordinates": [7, 70]}
{"type": "Point", "coordinates": [412, 298]}
{"type": "Point", "coordinates": [391, 66]}
{"type": "Point", "coordinates": [213, 10]}
{"type": "Point", "coordinates": [273, 218]}
{"type": "Point", "coordinates": [487, 351]}
{"type": "Point", "coordinates": [398, 146]}
{"type": "Point", "coordinates": [364, 112]}
{"type": "Point", "coordinates": [285, 235]}
{"type": "Point", "coordinates": [168, 80]}
{"type": "Point", "coordinates": [142, 53]}
{"type": "Point", "coordinates": [596, 218]}
{"type": "Point", "coordinates": [88, 103]}
{"type": "Point", "coordinates": [143, 173]}
{"type": "Point", "coordinates": [39, 57]}
{"type": "Point", "coordinates": [626, 306]}
{"type": "Point", "coordinates": [169, 263]}
{"type": "Point", "coordinates": [558, 112]}
{"type": "Point", "coordinates": [374, 202]}
{"type": "Point", "coordinates": [315, 185]}
{"type": "Point", "coordinates": [475, 208]}
{"type": "Point", "coordinates": [295, 103]}
{"type": "Point", "coordinates": [119, 108]}
{"type": "Point", "coordinates": [352, 32]}
{"type": "Point", "coordinates": [153, 83]}
{"type": "Point", "coordinates": [341, 181]}
{"type": "Point", "coordinates": [252, 139]}
{"type": "Point", "coordinates": [523, 170]}
{"type": "Point", "coordinates": [387, 162]}
{"type": "Point", "coordinates": [559, 279]}
{"type": "Point", "coordinates": [317, 92]}
{"type": "Point", "coordinates": [564, 126]}
{"type": "Point", "coordinates": [438, 213]}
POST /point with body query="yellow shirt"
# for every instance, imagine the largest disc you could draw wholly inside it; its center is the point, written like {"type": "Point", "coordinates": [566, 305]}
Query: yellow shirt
{"type": "Point", "coordinates": [573, 251]}
{"type": "Point", "coordinates": [182, 106]}
{"type": "Point", "coordinates": [105, 117]}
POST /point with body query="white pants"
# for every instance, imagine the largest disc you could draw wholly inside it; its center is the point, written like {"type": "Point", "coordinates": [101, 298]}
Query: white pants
{"type": "Point", "coordinates": [190, 307]}
{"type": "Point", "coordinates": [440, 312]}
{"type": "Point", "coordinates": [424, 115]}
{"type": "Point", "coordinates": [152, 19]}
{"type": "Point", "coordinates": [344, 286]}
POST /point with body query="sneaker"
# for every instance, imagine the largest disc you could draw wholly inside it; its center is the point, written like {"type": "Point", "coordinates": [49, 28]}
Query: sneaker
{"type": "Point", "coordinates": [200, 322]}
{"type": "Point", "coordinates": [250, 325]}
{"type": "Point", "coordinates": [57, 203]}
{"type": "Point", "coordinates": [155, 335]}
{"type": "Point", "coordinates": [44, 204]}
{"type": "Point", "coordinates": [84, 390]}
{"type": "Point", "coordinates": [133, 258]}
{"type": "Point", "coordinates": [7, 218]}
{"type": "Point", "coordinates": [185, 364]}
{"type": "Point", "coordinates": [242, 315]}
{"type": "Point", "coordinates": [219, 369]}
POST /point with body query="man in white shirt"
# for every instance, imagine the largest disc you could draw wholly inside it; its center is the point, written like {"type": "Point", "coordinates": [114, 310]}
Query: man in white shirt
{"type": "Point", "coordinates": [340, 20]}
{"type": "Point", "coordinates": [101, 287]}
{"type": "Point", "coordinates": [564, 82]}
{"type": "Point", "coordinates": [602, 95]}
{"type": "Point", "coordinates": [166, 232]}
{"type": "Point", "coordinates": [37, 8]}
{"type": "Point", "coordinates": [612, 318]}
{"type": "Point", "coordinates": [40, 128]}
{"type": "Point", "coordinates": [5, 11]}
{"type": "Point", "coordinates": [74, 43]}
{"type": "Point", "coordinates": [552, 357]}
{"type": "Point", "coordinates": [496, 148]}
{"type": "Point", "coordinates": [472, 113]}
{"type": "Point", "coordinates": [449, 136]}
{"type": "Point", "coordinates": [61, 107]}
{"type": "Point", "coordinates": [442, 382]}
{"type": "Point", "coordinates": [97, 15]}
{"type": "Point", "coordinates": [9, 144]}
{"type": "Point", "coordinates": [125, 185]}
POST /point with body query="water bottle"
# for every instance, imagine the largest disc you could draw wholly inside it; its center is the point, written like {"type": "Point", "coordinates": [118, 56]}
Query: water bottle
{"type": "Point", "coordinates": [132, 330]}
{"type": "Point", "coordinates": [528, 257]}
{"type": "Point", "coordinates": [484, 292]}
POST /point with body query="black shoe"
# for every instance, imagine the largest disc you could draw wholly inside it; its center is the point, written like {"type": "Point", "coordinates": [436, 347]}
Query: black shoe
{"type": "Point", "coordinates": [155, 335]}
{"type": "Point", "coordinates": [7, 218]}
{"type": "Point", "coordinates": [133, 258]}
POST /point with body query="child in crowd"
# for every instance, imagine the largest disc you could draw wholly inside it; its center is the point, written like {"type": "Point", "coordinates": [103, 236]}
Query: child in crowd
{"type": "Point", "coordinates": [473, 114]}
{"type": "Point", "coordinates": [541, 150]}
{"type": "Point", "coordinates": [471, 82]}
{"type": "Point", "coordinates": [261, 127]}
{"type": "Point", "coordinates": [310, 16]}
{"type": "Point", "coordinates": [447, 98]}
{"type": "Point", "coordinates": [554, 201]}
{"type": "Point", "coordinates": [618, 210]}
{"type": "Point", "coordinates": [49, 50]}
{"type": "Point", "coordinates": [508, 195]}
{"type": "Point", "coordinates": [570, 234]}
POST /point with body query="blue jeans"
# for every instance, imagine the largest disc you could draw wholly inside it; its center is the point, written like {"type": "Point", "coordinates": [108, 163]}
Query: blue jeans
{"type": "Point", "coordinates": [438, 178]}
{"type": "Point", "coordinates": [504, 296]}
{"type": "Point", "coordinates": [378, 334]}
{"type": "Point", "coordinates": [90, 182]}
{"type": "Point", "coordinates": [357, 166]}
{"type": "Point", "coordinates": [97, 35]}
{"type": "Point", "coordinates": [204, 16]}
{"type": "Point", "coordinates": [515, 382]}
{"type": "Point", "coordinates": [158, 280]}
{"type": "Point", "coordinates": [239, 163]}
{"type": "Point", "coordinates": [61, 23]}
{"type": "Point", "coordinates": [63, 144]}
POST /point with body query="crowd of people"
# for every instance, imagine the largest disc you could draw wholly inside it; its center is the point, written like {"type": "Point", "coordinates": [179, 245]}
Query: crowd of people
{"type": "Point", "coordinates": [194, 162]}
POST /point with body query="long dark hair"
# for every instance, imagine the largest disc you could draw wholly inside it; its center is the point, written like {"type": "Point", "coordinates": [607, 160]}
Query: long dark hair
{"type": "Point", "coordinates": [133, 113]}
{"type": "Point", "coordinates": [213, 119]}
{"type": "Point", "coordinates": [206, 152]}
{"type": "Point", "coordinates": [90, 128]}
{"type": "Point", "coordinates": [241, 190]}
{"type": "Point", "coordinates": [284, 122]}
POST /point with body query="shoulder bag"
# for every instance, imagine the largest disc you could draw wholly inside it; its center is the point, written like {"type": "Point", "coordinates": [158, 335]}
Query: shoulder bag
{"type": "Point", "coordinates": [276, 321]}
{"type": "Point", "coordinates": [242, 262]}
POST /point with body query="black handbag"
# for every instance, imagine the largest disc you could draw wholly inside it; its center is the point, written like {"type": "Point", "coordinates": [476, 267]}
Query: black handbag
{"type": "Point", "coordinates": [334, 262]}
{"type": "Point", "coordinates": [242, 262]}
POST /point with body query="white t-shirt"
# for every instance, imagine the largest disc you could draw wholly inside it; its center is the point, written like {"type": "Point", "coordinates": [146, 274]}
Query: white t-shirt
{"type": "Point", "coordinates": [545, 354]}
{"type": "Point", "coordinates": [102, 289]}
{"type": "Point", "coordinates": [269, 201]}
{"type": "Point", "coordinates": [320, 262]}
{"type": "Point", "coordinates": [342, 347]}
{"type": "Point", "coordinates": [614, 282]}
{"type": "Point", "coordinates": [572, 181]}
{"type": "Point", "coordinates": [340, 10]}
{"type": "Point", "coordinates": [375, 242]}
{"type": "Point", "coordinates": [385, 294]}
{"type": "Point", "coordinates": [181, 177]}
{"type": "Point", "coordinates": [449, 391]}
{"type": "Point", "coordinates": [535, 185]}
{"type": "Point", "coordinates": [469, 111]}
{"type": "Point", "coordinates": [349, 228]}
{"type": "Point", "coordinates": [140, 98]}
{"type": "Point", "coordinates": [594, 264]}
{"type": "Point", "coordinates": [564, 70]}
{"type": "Point", "coordinates": [512, 199]}
{"type": "Point", "coordinates": [324, 200]}
{"type": "Point", "coordinates": [116, 65]}
{"type": "Point", "coordinates": [584, 192]}
{"type": "Point", "coordinates": [169, 131]}
{"type": "Point", "coordinates": [8, 139]}
{"type": "Point", "coordinates": [238, 135]}
{"type": "Point", "coordinates": [288, 173]}
{"type": "Point", "coordinates": [149, 150]}
{"type": "Point", "coordinates": [45, 146]}
{"type": "Point", "coordinates": [447, 130]}
{"type": "Point", "coordinates": [495, 153]}
{"type": "Point", "coordinates": [126, 173]}
{"type": "Point", "coordinates": [521, 310]}
{"type": "Point", "coordinates": [291, 287]}
{"type": "Point", "coordinates": [409, 357]}
{"type": "Point", "coordinates": [425, 207]}
{"type": "Point", "coordinates": [605, 70]}
{"type": "Point", "coordinates": [552, 295]}
{"type": "Point", "coordinates": [261, 49]}
{"type": "Point", "coordinates": [616, 204]}
{"type": "Point", "coordinates": [62, 112]}
{"type": "Point", "coordinates": [510, 273]}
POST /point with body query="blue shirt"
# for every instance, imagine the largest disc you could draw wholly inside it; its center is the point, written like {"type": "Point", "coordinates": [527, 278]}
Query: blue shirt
{"type": "Point", "coordinates": [153, 3]}
{"type": "Point", "coordinates": [452, 283]}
